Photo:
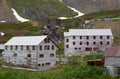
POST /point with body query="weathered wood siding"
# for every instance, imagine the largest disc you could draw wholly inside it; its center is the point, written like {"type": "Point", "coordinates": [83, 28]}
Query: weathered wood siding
{"type": "Point", "coordinates": [112, 61]}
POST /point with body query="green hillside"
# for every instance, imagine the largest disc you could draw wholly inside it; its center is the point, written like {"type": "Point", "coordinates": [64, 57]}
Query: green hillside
{"type": "Point", "coordinates": [41, 9]}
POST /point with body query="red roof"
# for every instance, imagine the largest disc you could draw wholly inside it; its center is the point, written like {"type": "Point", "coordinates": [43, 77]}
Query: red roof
{"type": "Point", "coordinates": [112, 52]}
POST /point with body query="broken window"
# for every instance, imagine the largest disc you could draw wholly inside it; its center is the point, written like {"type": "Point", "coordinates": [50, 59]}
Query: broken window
{"type": "Point", "coordinates": [15, 55]}
{"type": "Point", "coordinates": [51, 55]}
{"type": "Point", "coordinates": [29, 55]}
{"type": "Point", "coordinates": [41, 56]}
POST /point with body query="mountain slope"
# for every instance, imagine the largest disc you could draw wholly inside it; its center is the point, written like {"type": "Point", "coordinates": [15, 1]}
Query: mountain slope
{"type": "Point", "coordinates": [88, 6]}
{"type": "Point", "coordinates": [6, 14]}
{"type": "Point", "coordinates": [41, 9]}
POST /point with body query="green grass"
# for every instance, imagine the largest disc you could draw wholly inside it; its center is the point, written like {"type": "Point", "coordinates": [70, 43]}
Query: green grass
{"type": "Point", "coordinates": [41, 8]}
{"type": "Point", "coordinates": [76, 69]}
{"type": "Point", "coordinates": [16, 29]}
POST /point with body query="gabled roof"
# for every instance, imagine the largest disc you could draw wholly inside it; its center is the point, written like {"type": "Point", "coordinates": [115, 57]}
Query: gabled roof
{"type": "Point", "coordinates": [112, 52]}
{"type": "Point", "coordinates": [89, 32]}
{"type": "Point", "coordinates": [26, 40]}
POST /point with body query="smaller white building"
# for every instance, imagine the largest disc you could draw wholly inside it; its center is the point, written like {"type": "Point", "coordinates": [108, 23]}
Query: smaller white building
{"type": "Point", "coordinates": [82, 41]}
{"type": "Point", "coordinates": [30, 52]}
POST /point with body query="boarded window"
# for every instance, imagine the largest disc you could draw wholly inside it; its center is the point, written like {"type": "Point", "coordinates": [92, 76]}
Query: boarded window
{"type": "Point", "coordinates": [41, 56]}
{"type": "Point", "coordinates": [51, 55]}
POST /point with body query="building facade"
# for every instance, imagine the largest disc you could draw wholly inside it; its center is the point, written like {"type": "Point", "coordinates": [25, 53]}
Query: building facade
{"type": "Point", "coordinates": [80, 41]}
{"type": "Point", "coordinates": [30, 52]}
{"type": "Point", "coordinates": [112, 61]}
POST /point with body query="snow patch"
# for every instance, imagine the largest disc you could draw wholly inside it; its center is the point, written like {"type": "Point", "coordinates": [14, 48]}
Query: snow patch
{"type": "Point", "coordinates": [79, 13]}
{"type": "Point", "coordinates": [60, 0]}
{"type": "Point", "coordinates": [2, 34]}
{"type": "Point", "coordinates": [2, 21]}
{"type": "Point", "coordinates": [19, 18]}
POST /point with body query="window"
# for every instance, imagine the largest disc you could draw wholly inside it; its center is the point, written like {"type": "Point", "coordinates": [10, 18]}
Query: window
{"type": "Point", "coordinates": [43, 64]}
{"type": "Point", "coordinates": [11, 47]}
{"type": "Point", "coordinates": [101, 43]}
{"type": "Point", "coordinates": [73, 43]}
{"type": "Point", "coordinates": [16, 47]}
{"type": "Point", "coordinates": [87, 37]}
{"type": "Point", "coordinates": [6, 47]}
{"type": "Point", "coordinates": [27, 47]}
{"type": "Point", "coordinates": [94, 37]}
{"type": "Point", "coordinates": [39, 64]}
{"type": "Point", "coordinates": [41, 56]}
{"type": "Point", "coordinates": [33, 47]}
{"type": "Point", "coordinates": [47, 63]}
{"type": "Point", "coordinates": [79, 48]}
{"type": "Point", "coordinates": [73, 37]}
{"type": "Point", "coordinates": [108, 43]}
{"type": "Point", "coordinates": [75, 48]}
{"type": "Point", "coordinates": [67, 46]}
{"type": "Point", "coordinates": [46, 40]}
{"type": "Point", "coordinates": [29, 55]}
{"type": "Point", "coordinates": [21, 47]}
{"type": "Point", "coordinates": [87, 43]}
{"type": "Point", "coordinates": [67, 40]}
{"type": "Point", "coordinates": [40, 47]}
{"type": "Point", "coordinates": [81, 43]}
{"type": "Point", "coordinates": [94, 43]}
{"type": "Point", "coordinates": [46, 47]}
{"type": "Point", "coordinates": [51, 55]}
{"type": "Point", "coordinates": [52, 47]}
{"type": "Point", "coordinates": [80, 37]}
{"type": "Point", "coordinates": [15, 55]}
{"type": "Point", "coordinates": [108, 37]}
{"type": "Point", "coordinates": [101, 37]}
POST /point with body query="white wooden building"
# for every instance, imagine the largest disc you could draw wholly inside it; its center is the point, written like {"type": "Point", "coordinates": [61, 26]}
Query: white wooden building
{"type": "Point", "coordinates": [30, 52]}
{"type": "Point", "coordinates": [81, 41]}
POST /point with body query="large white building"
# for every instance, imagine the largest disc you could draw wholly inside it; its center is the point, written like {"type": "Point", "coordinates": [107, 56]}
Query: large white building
{"type": "Point", "coordinates": [81, 41]}
{"type": "Point", "coordinates": [30, 52]}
